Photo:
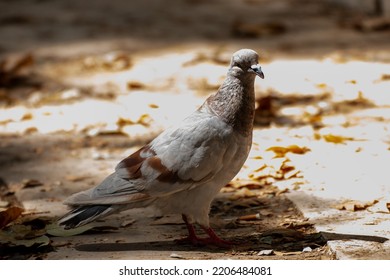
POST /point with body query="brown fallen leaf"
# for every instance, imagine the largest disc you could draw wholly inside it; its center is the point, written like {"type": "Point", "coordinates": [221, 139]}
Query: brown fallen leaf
{"type": "Point", "coordinates": [77, 178]}
{"type": "Point", "coordinates": [116, 61]}
{"type": "Point", "coordinates": [282, 151]}
{"type": "Point", "coordinates": [285, 190]}
{"type": "Point", "coordinates": [373, 24]}
{"type": "Point", "coordinates": [144, 120]}
{"type": "Point", "coordinates": [250, 217]}
{"type": "Point", "coordinates": [353, 205]}
{"type": "Point", "coordinates": [297, 225]}
{"type": "Point", "coordinates": [31, 183]}
{"type": "Point", "coordinates": [131, 85]}
{"type": "Point", "coordinates": [113, 61]}
{"type": "Point", "coordinates": [127, 223]}
{"type": "Point", "coordinates": [13, 71]}
{"type": "Point", "coordinates": [249, 184]}
{"type": "Point", "coordinates": [9, 215]}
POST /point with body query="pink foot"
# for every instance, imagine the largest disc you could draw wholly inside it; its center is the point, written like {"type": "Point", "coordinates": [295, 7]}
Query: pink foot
{"type": "Point", "coordinates": [213, 239]}
{"type": "Point", "coordinates": [216, 240]}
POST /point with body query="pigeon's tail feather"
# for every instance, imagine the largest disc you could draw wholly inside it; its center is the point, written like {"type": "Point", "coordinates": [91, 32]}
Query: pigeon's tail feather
{"type": "Point", "coordinates": [81, 215]}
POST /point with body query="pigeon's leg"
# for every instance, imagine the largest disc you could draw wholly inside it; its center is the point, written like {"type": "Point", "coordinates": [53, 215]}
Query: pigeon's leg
{"type": "Point", "coordinates": [191, 230]}
{"type": "Point", "coordinates": [191, 238]}
{"type": "Point", "coordinates": [213, 239]}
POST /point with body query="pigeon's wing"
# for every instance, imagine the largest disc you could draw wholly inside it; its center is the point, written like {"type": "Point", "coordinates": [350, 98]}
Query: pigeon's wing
{"type": "Point", "coordinates": [180, 158]}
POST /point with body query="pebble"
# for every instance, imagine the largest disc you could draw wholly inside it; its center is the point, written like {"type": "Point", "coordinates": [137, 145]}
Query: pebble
{"type": "Point", "coordinates": [266, 253]}
{"type": "Point", "coordinates": [307, 249]}
{"type": "Point", "coordinates": [176, 256]}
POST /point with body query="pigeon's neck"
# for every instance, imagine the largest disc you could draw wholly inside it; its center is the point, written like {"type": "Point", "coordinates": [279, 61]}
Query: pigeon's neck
{"type": "Point", "coordinates": [234, 102]}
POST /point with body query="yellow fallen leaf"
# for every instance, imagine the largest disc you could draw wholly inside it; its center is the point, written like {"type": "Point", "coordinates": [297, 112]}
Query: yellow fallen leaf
{"type": "Point", "coordinates": [322, 85]}
{"type": "Point", "coordinates": [337, 139]}
{"type": "Point", "coordinates": [317, 136]}
{"type": "Point", "coordinates": [282, 151]}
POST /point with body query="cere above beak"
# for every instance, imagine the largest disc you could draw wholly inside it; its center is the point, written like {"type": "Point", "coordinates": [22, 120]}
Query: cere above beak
{"type": "Point", "coordinates": [257, 70]}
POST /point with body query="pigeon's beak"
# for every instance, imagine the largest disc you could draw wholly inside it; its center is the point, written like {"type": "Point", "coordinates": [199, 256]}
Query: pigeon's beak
{"type": "Point", "coordinates": [257, 69]}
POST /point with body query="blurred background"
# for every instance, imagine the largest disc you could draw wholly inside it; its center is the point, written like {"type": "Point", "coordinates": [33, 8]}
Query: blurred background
{"type": "Point", "coordinates": [84, 83]}
{"type": "Point", "coordinates": [73, 55]}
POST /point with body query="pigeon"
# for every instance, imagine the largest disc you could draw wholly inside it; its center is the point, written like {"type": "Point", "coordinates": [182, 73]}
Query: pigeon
{"type": "Point", "coordinates": [184, 167]}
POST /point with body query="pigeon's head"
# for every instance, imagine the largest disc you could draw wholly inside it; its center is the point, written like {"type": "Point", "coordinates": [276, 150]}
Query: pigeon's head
{"type": "Point", "coordinates": [247, 61]}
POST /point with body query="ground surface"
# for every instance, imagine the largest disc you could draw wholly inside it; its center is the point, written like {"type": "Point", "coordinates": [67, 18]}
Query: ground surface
{"type": "Point", "coordinates": [84, 85]}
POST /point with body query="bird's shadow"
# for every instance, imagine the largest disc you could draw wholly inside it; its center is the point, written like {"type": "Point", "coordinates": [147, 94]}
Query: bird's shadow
{"type": "Point", "coordinates": [168, 245]}
{"type": "Point", "coordinates": [283, 240]}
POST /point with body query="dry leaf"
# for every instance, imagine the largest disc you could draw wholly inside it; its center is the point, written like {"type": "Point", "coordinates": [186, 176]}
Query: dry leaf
{"type": "Point", "coordinates": [9, 215]}
{"type": "Point", "coordinates": [135, 85]}
{"type": "Point", "coordinates": [249, 184]}
{"type": "Point", "coordinates": [176, 256]}
{"type": "Point", "coordinates": [285, 190]}
{"type": "Point", "coordinates": [31, 183]}
{"type": "Point", "coordinates": [10, 74]}
{"type": "Point", "coordinates": [144, 120]}
{"type": "Point", "coordinates": [56, 230]}
{"type": "Point", "coordinates": [250, 217]}
{"type": "Point", "coordinates": [372, 24]}
{"type": "Point", "coordinates": [127, 223]}
{"type": "Point", "coordinates": [24, 62]}
{"type": "Point", "coordinates": [113, 61]}
{"type": "Point", "coordinates": [9, 240]}
{"type": "Point", "coordinates": [337, 139]}
{"type": "Point", "coordinates": [282, 151]}
{"type": "Point", "coordinates": [77, 178]}
{"type": "Point", "coordinates": [242, 193]}
{"type": "Point", "coordinates": [353, 205]}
